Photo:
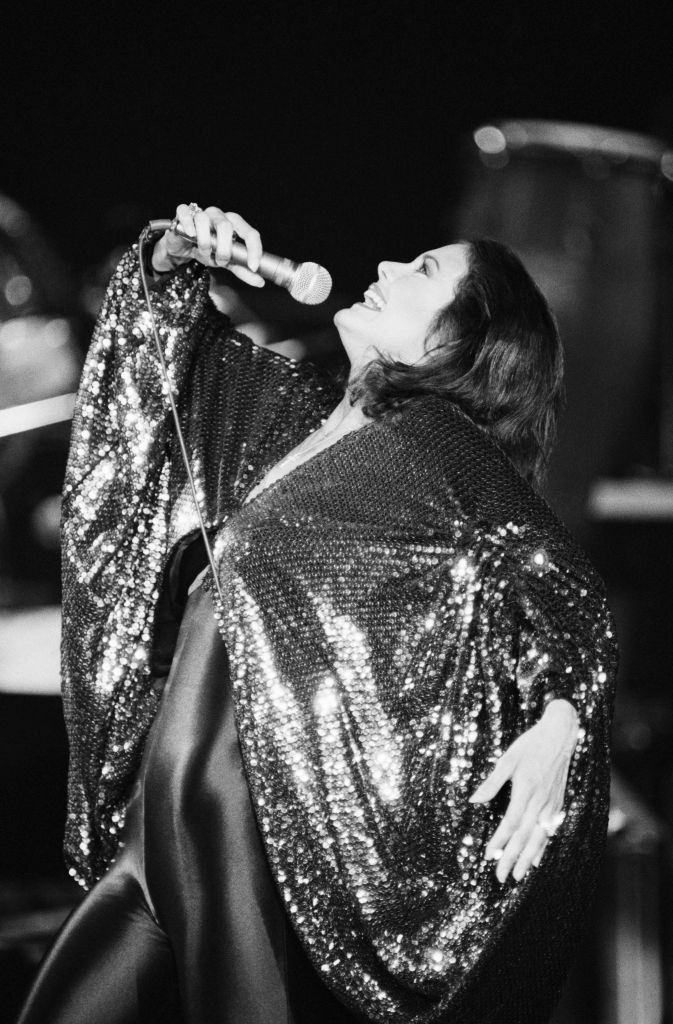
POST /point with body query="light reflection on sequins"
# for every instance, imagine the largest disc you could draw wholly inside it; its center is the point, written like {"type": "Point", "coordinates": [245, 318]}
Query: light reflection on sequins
{"type": "Point", "coordinates": [389, 634]}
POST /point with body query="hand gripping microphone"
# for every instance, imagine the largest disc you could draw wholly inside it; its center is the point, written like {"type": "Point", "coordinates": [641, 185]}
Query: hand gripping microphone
{"type": "Point", "coordinates": [306, 282]}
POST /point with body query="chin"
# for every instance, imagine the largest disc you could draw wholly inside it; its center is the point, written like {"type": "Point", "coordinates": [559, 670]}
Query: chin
{"type": "Point", "coordinates": [342, 312]}
{"type": "Point", "coordinates": [343, 316]}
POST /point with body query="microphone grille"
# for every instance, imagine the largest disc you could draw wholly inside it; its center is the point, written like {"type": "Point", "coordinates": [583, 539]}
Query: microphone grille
{"type": "Point", "coordinates": [311, 284]}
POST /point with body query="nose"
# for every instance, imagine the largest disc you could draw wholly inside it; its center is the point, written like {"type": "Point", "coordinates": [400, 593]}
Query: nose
{"type": "Point", "coordinates": [388, 270]}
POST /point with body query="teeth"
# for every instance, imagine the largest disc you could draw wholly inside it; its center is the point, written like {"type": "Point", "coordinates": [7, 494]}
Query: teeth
{"type": "Point", "coordinates": [373, 300]}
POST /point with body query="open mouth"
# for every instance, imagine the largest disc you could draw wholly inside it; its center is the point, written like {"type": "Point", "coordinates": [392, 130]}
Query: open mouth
{"type": "Point", "coordinates": [373, 300]}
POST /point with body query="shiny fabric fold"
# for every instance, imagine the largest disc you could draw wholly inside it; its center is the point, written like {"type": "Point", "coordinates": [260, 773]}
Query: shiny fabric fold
{"type": "Point", "coordinates": [397, 609]}
{"type": "Point", "coordinates": [187, 925]}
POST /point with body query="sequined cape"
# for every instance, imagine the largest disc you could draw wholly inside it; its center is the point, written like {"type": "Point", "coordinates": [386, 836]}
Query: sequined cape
{"type": "Point", "coordinates": [397, 610]}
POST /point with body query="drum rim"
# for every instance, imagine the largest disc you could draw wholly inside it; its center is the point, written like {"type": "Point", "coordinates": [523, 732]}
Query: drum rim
{"type": "Point", "coordinates": [575, 138]}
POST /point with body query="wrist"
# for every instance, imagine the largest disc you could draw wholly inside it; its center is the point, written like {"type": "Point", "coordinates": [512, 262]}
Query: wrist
{"type": "Point", "coordinates": [561, 714]}
{"type": "Point", "coordinates": [559, 708]}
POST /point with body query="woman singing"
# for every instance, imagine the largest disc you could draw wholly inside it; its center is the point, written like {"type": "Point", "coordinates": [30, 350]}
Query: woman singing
{"type": "Point", "coordinates": [365, 776]}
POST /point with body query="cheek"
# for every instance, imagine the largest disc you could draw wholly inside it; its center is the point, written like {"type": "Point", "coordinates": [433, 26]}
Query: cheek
{"type": "Point", "coordinates": [417, 308]}
{"type": "Point", "coordinates": [410, 322]}
{"type": "Point", "coordinates": [401, 335]}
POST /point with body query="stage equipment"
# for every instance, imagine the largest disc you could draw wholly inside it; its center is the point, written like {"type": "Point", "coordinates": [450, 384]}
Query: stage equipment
{"type": "Point", "coordinates": [588, 209]}
{"type": "Point", "coordinates": [40, 363]}
{"type": "Point", "coordinates": [633, 926]}
{"type": "Point", "coordinates": [620, 975]}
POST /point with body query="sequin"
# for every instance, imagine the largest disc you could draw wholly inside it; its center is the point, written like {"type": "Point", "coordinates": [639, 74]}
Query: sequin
{"type": "Point", "coordinates": [397, 610]}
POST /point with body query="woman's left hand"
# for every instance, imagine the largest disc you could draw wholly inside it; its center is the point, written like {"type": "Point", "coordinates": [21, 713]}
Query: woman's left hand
{"type": "Point", "coordinates": [537, 763]}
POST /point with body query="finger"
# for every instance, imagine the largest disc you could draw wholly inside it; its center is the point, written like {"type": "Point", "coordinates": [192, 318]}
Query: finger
{"type": "Point", "coordinates": [204, 237]}
{"type": "Point", "coordinates": [247, 275]}
{"type": "Point", "coordinates": [519, 805]}
{"type": "Point", "coordinates": [185, 219]}
{"type": "Point", "coordinates": [493, 782]}
{"type": "Point", "coordinates": [223, 238]}
{"type": "Point", "coordinates": [533, 849]}
{"type": "Point", "coordinates": [215, 213]}
{"type": "Point", "coordinates": [250, 236]}
{"type": "Point", "coordinates": [554, 816]}
{"type": "Point", "coordinates": [540, 852]}
{"type": "Point", "coordinates": [515, 846]}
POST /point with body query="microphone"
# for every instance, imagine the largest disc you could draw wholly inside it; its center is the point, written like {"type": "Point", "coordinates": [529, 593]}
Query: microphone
{"type": "Point", "coordinates": [306, 282]}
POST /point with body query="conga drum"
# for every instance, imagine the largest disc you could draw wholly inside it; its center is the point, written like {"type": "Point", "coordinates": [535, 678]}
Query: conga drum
{"type": "Point", "coordinates": [588, 211]}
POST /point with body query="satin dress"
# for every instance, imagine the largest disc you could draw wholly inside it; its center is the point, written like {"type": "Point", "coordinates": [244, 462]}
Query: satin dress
{"type": "Point", "coordinates": [187, 926]}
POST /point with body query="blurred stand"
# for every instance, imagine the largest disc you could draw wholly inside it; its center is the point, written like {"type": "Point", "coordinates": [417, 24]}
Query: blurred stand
{"type": "Point", "coordinates": [620, 975]}
{"type": "Point", "coordinates": [36, 893]}
{"type": "Point", "coordinates": [590, 212]}
{"type": "Point", "coordinates": [40, 363]}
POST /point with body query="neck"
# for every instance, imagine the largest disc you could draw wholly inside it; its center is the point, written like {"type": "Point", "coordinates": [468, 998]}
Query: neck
{"type": "Point", "coordinates": [345, 415]}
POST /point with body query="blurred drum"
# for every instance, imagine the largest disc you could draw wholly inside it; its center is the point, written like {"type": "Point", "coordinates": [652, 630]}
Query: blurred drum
{"type": "Point", "coordinates": [588, 211]}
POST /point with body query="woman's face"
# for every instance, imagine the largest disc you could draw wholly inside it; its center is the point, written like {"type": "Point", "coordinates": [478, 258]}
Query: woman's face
{"type": "Point", "coordinates": [397, 310]}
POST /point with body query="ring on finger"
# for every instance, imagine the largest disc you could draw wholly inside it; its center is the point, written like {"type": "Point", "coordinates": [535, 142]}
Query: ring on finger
{"type": "Point", "coordinates": [551, 826]}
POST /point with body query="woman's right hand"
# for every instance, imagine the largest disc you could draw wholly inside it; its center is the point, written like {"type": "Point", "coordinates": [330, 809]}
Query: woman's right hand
{"type": "Point", "coordinates": [213, 233]}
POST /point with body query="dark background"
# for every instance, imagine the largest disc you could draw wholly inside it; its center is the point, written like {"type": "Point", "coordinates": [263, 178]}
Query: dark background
{"type": "Point", "coordinates": [332, 126]}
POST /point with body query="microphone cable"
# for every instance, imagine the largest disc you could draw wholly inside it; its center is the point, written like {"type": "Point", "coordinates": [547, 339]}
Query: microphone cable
{"type": "Point", "coordinates": [144, 238]}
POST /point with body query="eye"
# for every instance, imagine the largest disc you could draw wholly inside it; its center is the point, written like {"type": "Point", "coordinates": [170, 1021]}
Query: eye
{"type": "Point", "coordinates": [424, 267]}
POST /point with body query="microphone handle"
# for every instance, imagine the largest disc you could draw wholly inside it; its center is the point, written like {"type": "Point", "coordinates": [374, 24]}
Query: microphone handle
{"type": "Point", "coordinates": [278, 269]}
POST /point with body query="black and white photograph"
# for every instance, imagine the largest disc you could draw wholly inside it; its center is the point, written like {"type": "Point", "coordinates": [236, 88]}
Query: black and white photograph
{"type": "Point", "coordinates": [336, 513]}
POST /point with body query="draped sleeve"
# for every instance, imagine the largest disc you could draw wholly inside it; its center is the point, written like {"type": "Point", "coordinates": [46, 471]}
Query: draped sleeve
{"type": "Point", "coordinates": [566, 640]}
{"type": "Point", "coordinates": [125, 505]}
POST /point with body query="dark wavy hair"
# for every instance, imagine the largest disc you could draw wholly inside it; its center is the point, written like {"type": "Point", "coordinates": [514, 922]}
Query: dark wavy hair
{"type": "Point", "coordinates": [494, 350]}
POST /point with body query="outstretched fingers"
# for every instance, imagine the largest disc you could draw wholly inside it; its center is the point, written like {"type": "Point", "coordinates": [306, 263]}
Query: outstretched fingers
{"type": "Point", "coordinates": [532, 853]}
{"type": "Point", "coordinates": [538, 767]}
{"type": "Point", "coordinates": [519, 805]}
{"type": "Point", "coordinates": [514, 858]}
